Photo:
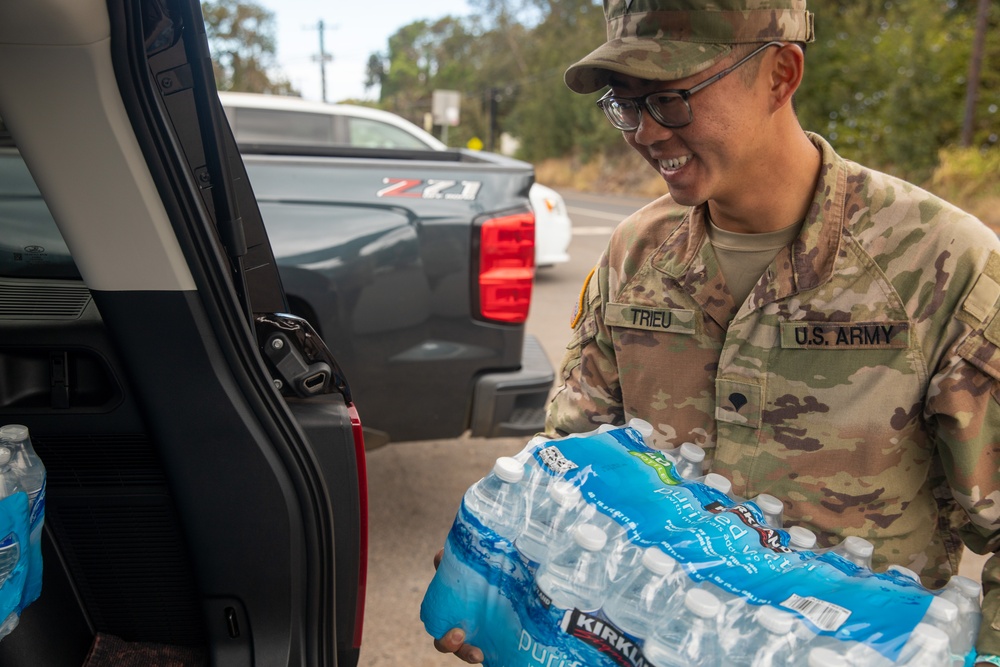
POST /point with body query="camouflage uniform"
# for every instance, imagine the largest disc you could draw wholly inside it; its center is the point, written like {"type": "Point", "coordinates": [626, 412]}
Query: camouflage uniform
{"type": "Point", "coordinates": [859, 382]}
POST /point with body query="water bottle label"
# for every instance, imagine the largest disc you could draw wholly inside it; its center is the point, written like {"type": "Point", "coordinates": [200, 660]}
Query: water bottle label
{"type": "Point", "coordinates": [822, 614]}
{"type": "Point", "coordinates": [663, 466]}
{"type": "Point", "coordinates": [553, 459]}
{"type": "Point", "coordinates": [732, 548]}
{"type": "Point", "coordinates": [37, 503]}
{"type": "Point", "coordinates": [600, 634]}
{"type": "Point", "coordinates": [543, 598]}
{"type": "Point", "coordinates": [485, 588]}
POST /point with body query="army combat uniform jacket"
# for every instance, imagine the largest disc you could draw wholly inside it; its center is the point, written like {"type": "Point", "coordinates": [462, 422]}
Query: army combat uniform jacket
{"type": "Point", "coordinates": [859, 381]}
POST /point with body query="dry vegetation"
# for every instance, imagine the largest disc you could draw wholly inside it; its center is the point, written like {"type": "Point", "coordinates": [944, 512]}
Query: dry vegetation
{"type": "Point", "coordinates": [974, 184]}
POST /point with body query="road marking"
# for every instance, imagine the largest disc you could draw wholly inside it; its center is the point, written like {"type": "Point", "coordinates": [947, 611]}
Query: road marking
{"type": "Point", "coordinates": [604, 215]}
{"type": "Point", "coordinates": [592, 231]}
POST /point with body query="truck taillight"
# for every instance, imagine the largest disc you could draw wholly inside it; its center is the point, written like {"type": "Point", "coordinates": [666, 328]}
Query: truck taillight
{"type": "Point", "coordinates": [506, 267]}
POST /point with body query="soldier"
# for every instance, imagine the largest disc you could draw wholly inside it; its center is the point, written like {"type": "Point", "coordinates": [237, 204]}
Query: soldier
{"type": "Point", "coordinates": [829, 334]}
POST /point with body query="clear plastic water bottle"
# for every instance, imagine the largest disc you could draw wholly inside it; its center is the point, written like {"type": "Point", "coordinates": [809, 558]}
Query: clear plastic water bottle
{"type": "Point", "coordinates": [772, 509]}
{"type": "Point", "coordinates": [30, 471]}
{"type": "Point", "coordinates": [10, 551]}
{"type": "Point", "coordinates": [644, 428]}
{"type": "Point", "coordinates": [576, 576]}
{"type": "Point", "coordinates": [860, 654]}
{"type": "Point", "coordinates": [10, 483]}
{"type": "Point", "coordinates": [943, 615]}
{"type": "Point", "coordinates": [774, 644]}
{"type": "Point", "coordinates": [10, 547]}
{"type": "Point", "coordinates": [533, 473]}
{"type": "Point", "coordinates": [689, 638]}
{"type": "Point", "coordinates": [25, 463]}
{"type": "Point", "coordinates": [964, 593]}
{"type": "Point", "coordinates": [825, 656]}
{"type": "Point", "coordinates": [801, 539]}
{"type": "Point", "coordinates": [718, 482]}
{"type": "Point", "coordinates": [623, 556]}
{"type": "Point", "coordinates": [736, 616]}
{"type": "Point", "coordinates": [689, 460]}
{"type": "Point", "coordinates": [857, 550]}
{"type": "Point", "coordinates": [639, 598]}
{"type": "Point", "coordinates": [927, 647]}
{"type": "Point", "coordinates": [549, 520]}
{"type": "Point", "coordinates": [829, 652]}
{"type": "Point", "coordinates": [497, 500]}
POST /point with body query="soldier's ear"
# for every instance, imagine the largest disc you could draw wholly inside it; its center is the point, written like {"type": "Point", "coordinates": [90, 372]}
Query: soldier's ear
{"type": "Point", "coordinates": [786, 69]}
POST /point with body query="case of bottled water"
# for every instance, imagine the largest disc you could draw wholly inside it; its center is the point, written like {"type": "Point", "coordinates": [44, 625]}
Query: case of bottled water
{"type": "Point", "coordinates": [629, 563]}
{"type": "Point", "coordinates": [22, 514]}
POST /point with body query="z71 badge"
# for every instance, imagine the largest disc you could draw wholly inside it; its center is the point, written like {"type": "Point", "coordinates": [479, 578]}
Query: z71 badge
{"type": "Point", "coordinates": [430, 189]}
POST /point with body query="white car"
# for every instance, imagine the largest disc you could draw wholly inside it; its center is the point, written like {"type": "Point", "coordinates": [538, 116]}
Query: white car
{"type": "Point", "coordinates": [265, 119]}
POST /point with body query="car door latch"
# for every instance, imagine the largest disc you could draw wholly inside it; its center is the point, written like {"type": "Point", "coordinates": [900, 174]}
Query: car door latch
{"type": "Point", "coordinates": [300, 361]}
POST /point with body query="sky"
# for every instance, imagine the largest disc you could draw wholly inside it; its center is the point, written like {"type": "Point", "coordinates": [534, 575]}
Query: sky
{"type": "Point", "coordinates": [353, 30]}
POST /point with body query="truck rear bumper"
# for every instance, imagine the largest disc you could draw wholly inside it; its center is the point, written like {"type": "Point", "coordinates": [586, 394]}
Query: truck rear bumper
{"type": "Point", "coordinates": [513, 403]}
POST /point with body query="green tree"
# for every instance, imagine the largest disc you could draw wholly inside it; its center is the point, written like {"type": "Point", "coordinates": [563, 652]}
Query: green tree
{"type": "Point", "coordinates": [405, 72]}
{"type": "Point", "coordinates": [424, 56]}
{"type": "Point", "coordinates": [241, 38]}
{"type": "Point", "coordinates": [550, 119]}
{"type": "Point", "coordinates": [885, 81]}
{"type": "Point", "coordinates": [507, 61]}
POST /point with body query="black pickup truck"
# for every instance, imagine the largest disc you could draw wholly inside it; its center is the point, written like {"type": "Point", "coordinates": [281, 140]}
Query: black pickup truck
{"type": "Point", "coordinates": [416, 267]}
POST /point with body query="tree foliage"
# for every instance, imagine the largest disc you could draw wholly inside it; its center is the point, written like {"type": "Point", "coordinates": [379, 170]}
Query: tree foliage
{"type": "Point", "coordinates": [241, 38]}
{"type": "Point", "coordinates": [885, 79]}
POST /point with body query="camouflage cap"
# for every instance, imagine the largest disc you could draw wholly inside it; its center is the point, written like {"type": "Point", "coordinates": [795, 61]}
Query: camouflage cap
{"type": "Point", "coordinates": [664, 40]}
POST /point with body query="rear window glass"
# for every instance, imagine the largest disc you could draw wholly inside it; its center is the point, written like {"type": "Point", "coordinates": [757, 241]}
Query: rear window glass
{"type": "Point", "coordinates": [368, 133]}
{"type": "Point", "coordinates": [271, 126]}
{"type": "Point", "coordinates": [30, 243]}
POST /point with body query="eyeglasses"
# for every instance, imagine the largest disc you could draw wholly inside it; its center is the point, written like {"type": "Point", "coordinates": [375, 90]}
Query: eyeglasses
{"type": "Point", "coordinates": [669, 108]}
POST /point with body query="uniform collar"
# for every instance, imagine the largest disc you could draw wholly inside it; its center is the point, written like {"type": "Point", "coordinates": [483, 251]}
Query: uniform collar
{"type": "Point", "coordinates": [808, 262]}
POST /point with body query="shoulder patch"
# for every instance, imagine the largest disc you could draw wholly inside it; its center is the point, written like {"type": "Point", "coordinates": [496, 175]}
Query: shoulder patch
{"type": "Point", "coordinates": [982, 306]}
{"type": "Point", "coordinates": [984, 295]}
{"type": "Point", "coordinates": [581, 302]}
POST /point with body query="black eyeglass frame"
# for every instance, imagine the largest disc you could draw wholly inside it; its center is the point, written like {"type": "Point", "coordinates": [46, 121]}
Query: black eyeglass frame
{"type": "Point", "coordinates": [640, 103]}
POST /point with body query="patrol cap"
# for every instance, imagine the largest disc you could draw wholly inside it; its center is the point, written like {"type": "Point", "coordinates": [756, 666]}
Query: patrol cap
{"type": "Point", "coordinates": [664, 40]}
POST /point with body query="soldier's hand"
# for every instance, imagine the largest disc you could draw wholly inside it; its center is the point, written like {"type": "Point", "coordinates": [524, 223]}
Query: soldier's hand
{"type": "Point", "coordinates": [454, 640]}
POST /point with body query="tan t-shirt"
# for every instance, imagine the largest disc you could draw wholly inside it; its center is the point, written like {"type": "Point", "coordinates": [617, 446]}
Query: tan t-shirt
{"type": "Point", "coordinates": [743, 257]}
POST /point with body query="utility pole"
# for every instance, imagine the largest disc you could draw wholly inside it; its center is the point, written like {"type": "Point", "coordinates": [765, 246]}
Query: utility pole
{"type": "Point", "coordinates": [972, 87]}
{"type": "Point", "coordinates": [494, 94]}
{"type": "Point", "coordinates": [323, 58]}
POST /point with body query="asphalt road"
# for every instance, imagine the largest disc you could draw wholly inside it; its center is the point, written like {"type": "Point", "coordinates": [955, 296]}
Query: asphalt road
{"type": "Point", "coordinates": [415, 487]}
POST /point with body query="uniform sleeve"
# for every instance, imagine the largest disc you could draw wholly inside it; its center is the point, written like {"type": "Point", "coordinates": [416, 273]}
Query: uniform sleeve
{"type": "Point", "coordinates": [590, 394]}
{"type": "Point", "coordinates": [964, 403]}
